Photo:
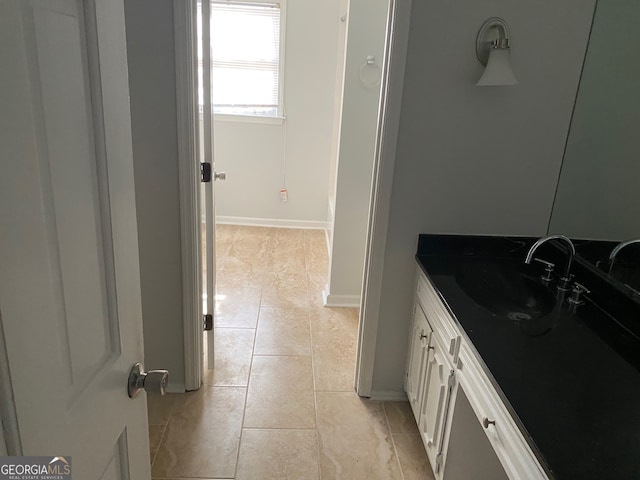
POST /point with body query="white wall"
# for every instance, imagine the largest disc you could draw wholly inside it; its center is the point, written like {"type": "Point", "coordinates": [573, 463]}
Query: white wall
{"type": "Point", "coordinates": [152, 86]}
{"type": "Point", "coordinates": [253, 154]}
{"type": "Point", "coordinates": [365, 37]}
{"type": "Point", "coordinates": [337, 116]}
{"type": "Point", "coordinates": [473, 160]}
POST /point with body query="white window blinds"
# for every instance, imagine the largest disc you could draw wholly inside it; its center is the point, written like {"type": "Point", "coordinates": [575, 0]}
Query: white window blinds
{"type": "Point", "coordinates": [245, 51]}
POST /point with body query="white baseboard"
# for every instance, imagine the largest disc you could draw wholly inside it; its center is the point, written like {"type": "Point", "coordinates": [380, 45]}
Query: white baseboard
{"type": "Point", "coordinates": [333, 300]}
{"type": "Point", "coordinates": [271, 222]}
{"type": "Point", "coordinates": [175, 388]}
{"type": "Point", "coordinates": [389, 396]}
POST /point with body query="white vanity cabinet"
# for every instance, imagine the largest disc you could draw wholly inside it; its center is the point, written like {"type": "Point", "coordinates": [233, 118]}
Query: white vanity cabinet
{"type": "Point", "coordinates": [446, 386]}
{"type": "Point", "coordinates": [430, 379]}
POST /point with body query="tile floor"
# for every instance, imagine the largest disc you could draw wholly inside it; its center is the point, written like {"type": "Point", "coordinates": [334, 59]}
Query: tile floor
{"type": "Point", "coordinates": [280, 403]}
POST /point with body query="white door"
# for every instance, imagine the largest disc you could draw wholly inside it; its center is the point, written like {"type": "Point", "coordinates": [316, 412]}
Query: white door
{"type": "Point", "coordinates": [69, 274]}
{"type": "Point", "coordinates": [206, 156]}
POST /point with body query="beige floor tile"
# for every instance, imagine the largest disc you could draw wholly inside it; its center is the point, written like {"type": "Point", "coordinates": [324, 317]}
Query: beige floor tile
{"type": "Point", "coordinates": [280, 393]}
{"type": "Point", "coordinates": [239, 273]}
{"type": "Point", "coordinates": [243, 262]}
{"type": "Point", "coordinates": [155, 437]}
{"type": "Point", "coordinates": [400, 417]}
{"type": "Point", "coordinates": [283, 331]}
{"type": "Point", "coordinates": [238, 315]}
{"type": "Point", "coordinates": [316, 262]}
{"type": "Point", "coordinates": [412, 457]}
{"type": "Point", "coordinates": [316, 253]}
{"type": "Point", "coordinates": [252, 245]}
{"type": "Point", "coordinates": [248, 295]}
{"type": "Point", "coordinates": [233, 350]}
{"type": "Point", "coordinates": [316, 284]}
{"type": "Point", "coordinates": [287, 236]}
{"type": "Point", "coordinates": [288, 265]}
{"type": "Point", "coordinates": [227, 233]}
{"type": "Point", "coordinates": [334, 366]}
{"type": "Point", "coordinates": [336, 320]}
{"type": "Point", "coordinates": [203, 435]}
{"type": "Point", "coordinates": [222, 252]}
{"type": "Point", "coordinates": [333, 339]}
{"type": "Point", "coordinates": [285, 290]}
{"type": "Point", "coordinates": [278, 455]}
{"type": "Point", "coordinates": [159, 407]}
{"type": "Point", "coordinates": [355, 443]}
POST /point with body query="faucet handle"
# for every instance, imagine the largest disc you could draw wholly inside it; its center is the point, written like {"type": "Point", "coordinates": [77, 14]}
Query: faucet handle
{"type": "Point", "coordinates": [544, 262]}
{"type": "Point", "coordinates": [577, 290]}
{"type": "Point", "coordinates": [578, 287]}
{"type": "Point", "coordinates": [563, 285]}
{"type": "Point", "coordinates": [548, 268]}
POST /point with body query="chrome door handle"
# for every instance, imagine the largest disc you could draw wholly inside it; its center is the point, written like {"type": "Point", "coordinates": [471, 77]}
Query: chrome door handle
{"type": "Point", "coordinates": [220, 175]}
{"type": "Point", "coordinates": [153, 381]}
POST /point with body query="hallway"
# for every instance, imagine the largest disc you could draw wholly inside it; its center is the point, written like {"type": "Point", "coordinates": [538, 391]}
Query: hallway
{"type": "Point", "coordinates": [281, 402]}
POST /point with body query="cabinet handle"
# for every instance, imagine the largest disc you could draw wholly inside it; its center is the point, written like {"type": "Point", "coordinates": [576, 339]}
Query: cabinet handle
{"type": "Point", "coordinates": [486, 422]}
{"type": "Point", "coordinates": [422, 335]}
{"type": "Point", "coordinates": [431, 347]}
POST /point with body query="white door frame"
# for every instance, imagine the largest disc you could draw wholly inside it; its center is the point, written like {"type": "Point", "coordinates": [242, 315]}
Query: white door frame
{"type": "Point", "coordinates": [384, 162]}
{"type": "Point", "coordinates": [184, 12]}
{"type": "Point", "coordinates": [386, 141]}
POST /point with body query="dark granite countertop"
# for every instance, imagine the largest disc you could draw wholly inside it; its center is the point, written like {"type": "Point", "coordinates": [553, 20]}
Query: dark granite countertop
{"type": "Point", "coordinates": [571, 379]}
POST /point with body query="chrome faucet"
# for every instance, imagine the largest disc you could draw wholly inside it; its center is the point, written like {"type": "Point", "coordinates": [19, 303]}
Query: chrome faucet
{"type": "Point", "coordinates": [564, 281]}
{"type": "Point", "coordinates": [620, 246]}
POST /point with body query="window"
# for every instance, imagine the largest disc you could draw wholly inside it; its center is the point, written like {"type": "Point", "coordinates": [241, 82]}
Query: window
{"type": "Point", "coordinates": [246, 56]}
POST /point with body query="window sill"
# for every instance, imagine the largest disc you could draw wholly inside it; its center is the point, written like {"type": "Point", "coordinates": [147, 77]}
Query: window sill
{"type": "Point", "coordinates": [223, 117]}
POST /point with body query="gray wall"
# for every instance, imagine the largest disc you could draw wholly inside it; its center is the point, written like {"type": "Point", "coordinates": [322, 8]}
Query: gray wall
{"type": "Point", "coordinates": [155, 152]}
{"type": "Point", "coordinates": [475, 160]}
{"type": "Point", "coordinates": [599, 190]}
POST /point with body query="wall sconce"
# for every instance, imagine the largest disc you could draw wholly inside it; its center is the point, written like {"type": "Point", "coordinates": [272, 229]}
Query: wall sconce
{"type": "Point", "coordinates": [494, 52]}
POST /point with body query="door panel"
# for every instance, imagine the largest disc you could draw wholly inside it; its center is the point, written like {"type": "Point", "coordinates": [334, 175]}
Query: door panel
{"type": "Point", "coordinates": [77, 254]}
{"type": "Point", "coordinates": [69, 283]}
{"type": "Point", "coordinates": [118, 466]}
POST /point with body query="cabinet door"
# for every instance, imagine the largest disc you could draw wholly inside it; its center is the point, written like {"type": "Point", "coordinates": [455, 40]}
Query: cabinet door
{"type": "Point", "coordinates": [438, 387]}
{"type": "Point", "coordinates": [417, 361]}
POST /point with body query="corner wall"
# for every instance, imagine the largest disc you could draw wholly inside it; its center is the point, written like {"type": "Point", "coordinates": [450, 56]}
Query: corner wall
{"type": "Point", "coordinates": [150, 50]}
{"type": "Point", "coordinates": [357, 139]}
{"type": "Point", "coordinates": [474, 160]}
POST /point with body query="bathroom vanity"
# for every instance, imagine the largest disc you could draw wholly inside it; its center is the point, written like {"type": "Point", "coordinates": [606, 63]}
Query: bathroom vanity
{"type": "Point", "coordinates": [508, 378]}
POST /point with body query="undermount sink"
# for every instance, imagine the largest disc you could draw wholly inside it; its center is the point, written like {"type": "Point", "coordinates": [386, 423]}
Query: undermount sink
{"type": "Point", "coordinates": [505, 290]}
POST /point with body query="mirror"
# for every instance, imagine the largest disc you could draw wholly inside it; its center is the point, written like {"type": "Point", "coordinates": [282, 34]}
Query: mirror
{"type": "Point", "coordinates": [598, 194]}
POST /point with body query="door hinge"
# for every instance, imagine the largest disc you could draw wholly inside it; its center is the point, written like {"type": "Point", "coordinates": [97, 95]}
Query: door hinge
{"type": "Point", "coordinates": [438, 462]}
{"type": "Point", "coordinates": [207, 323]}
{"type": "Point", "coordinates": [451, 381]}
{"type": "Point", "coordinates": [205, 172]}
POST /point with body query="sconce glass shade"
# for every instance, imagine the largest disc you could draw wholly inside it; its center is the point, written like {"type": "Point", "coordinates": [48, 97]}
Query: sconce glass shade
{"type": "Point", "coordinates": [498, 71]}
